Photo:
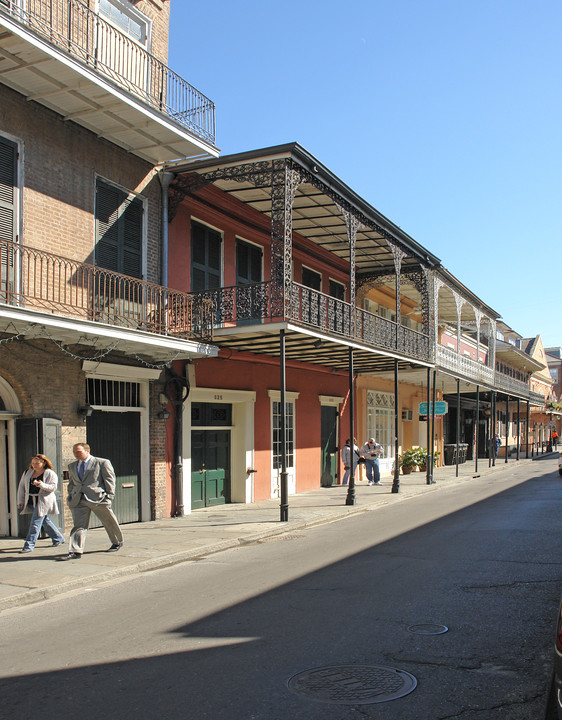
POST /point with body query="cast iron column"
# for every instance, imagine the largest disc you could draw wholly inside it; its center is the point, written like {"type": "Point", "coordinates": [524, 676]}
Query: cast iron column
{"type": "Point", "coordinates": [458, 423]}
{"type": "Point", "coordinates": [350, 499]}
{"type": "Point", "coordinates": [284, 507]}
{"type": "Point", "coordinates": [434, 394]}
{"type": "Point", "coordinates": [429, 467]}
{"type": "Point", "coordinates": [396, 481]}
{"type": "Point", "coordinates": [518, 426]}
{"type": "Point", "coordinates": [506, 427]}
{"type": "Point", "coordinates": [477, 428]}
{"type": "Point", "coordinates": [527, 433]}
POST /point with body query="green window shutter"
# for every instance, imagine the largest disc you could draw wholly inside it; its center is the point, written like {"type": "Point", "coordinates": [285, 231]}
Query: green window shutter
{"type": "Point", "coordinates": [119, 226]}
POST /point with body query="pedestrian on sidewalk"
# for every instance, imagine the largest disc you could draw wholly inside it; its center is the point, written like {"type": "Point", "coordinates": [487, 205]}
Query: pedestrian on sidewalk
{"type": "Point", "coordinates": [349, 461]}
{"type": "Point", "coordinates": [371, 451]}
{"type": "Point", "coordinates": [91, 488]}
{"type": "Point", "coordinates": [497, 444]}
{"type": "Point", "coordinates": [36, 495]}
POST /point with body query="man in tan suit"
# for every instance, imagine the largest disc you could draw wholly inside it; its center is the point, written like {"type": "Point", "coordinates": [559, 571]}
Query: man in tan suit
{"type": "Point", "coordinates": [91, 488]}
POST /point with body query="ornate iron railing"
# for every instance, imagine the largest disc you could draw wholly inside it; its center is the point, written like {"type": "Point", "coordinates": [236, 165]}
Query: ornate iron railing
{"type": "Point", "coordinates": [511, 385]}
{"type": "Point", "coordinates": [79, 31]}
{"type": "Point", "coordinates": [37, 280]}
{"type": "Point", "coordinates": [462, 365]}
{"type": "Point", "coordinates": [247, 304]}
{"type": "Point", "coordinates": [536, 398]}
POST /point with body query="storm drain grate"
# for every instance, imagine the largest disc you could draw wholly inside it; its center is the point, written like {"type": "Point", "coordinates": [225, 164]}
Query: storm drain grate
{"type": "Point", "coordinates": [353, 684]}
{"type": "Point", "coordinates": [428, 629]}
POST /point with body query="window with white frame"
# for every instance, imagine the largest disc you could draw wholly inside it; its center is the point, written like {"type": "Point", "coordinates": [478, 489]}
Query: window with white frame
{"type": "Point", "coordinates": [380, 419]}
{"type": "Point", "coordinates": [276, 409]}
{"type": "Point", "coordinates": [126, 19]}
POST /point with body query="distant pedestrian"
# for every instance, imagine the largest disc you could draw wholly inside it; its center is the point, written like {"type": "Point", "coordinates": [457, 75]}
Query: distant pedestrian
{"type": "Point", "coordinates": [36, 495]}
{"type": "Point", "coordinates": [497, 444]}
{"type": "Point", "coordinates": [91, 488]}
{"type": "Point", "coordinates": [372, 451]}
{"type": "Point", "coordinates": [554, 438]}
{"type": "Point", "coordinates": [350, 459]}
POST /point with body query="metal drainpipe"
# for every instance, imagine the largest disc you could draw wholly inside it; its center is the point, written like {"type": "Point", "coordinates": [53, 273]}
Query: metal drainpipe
{"type": "Point", "coordinates": [181, 392]}
{"type": "Point", "coordinates": [165, 180]}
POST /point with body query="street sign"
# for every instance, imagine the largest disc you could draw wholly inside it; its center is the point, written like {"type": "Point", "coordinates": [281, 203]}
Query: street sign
{"type": "Point", "coordinates": [441, 408]}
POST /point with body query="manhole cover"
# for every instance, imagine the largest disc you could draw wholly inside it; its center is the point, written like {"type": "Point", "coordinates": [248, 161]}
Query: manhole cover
{"type": "Point", "coordinates": [353, 684]}
{"type": "Point", "coordinates": [428, 629]}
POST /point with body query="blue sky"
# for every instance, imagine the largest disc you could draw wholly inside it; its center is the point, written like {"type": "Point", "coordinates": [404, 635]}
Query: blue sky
{"type": "Point", "coordinates": [445, 115]}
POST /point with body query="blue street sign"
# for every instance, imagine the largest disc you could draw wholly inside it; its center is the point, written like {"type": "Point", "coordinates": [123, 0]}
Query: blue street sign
{"type": "Point", "coordinates": [441, 408]}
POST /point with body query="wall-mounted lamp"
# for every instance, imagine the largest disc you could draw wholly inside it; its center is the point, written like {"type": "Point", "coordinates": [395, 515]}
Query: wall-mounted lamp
{"type": "Point", "coordinates": [318, 344]}
{"type": "Point", "coordinates": [85, 411]}
{"type": "Point", "coordinates": [163, 399]}
{"type": "Point", "coordinates": [164, 414]}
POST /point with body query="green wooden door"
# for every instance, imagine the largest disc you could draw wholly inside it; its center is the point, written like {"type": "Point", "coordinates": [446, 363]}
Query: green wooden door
{"type": "Point", "coordinates": [40, 435]}
{"type": "Point", "coordinates": [116, 436]}
{"type": "Point", "coordinates": [328, 445]}
{"type": "Point", "coordinates": [210, 468]}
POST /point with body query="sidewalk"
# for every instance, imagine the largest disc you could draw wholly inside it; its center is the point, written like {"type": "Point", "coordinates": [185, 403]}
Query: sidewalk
{"type": "Point", "coordinates": [26, 579]}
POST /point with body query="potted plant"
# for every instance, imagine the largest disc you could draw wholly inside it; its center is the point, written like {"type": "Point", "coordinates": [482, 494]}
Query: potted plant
{"type": "Point", "coordinates": [408, 460]}
{"type": "Point", "coordinates": [422, 458]}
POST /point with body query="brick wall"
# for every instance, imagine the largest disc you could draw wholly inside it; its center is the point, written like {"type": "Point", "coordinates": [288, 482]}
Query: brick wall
{"type": "Point", "coordinates": [60, 162]}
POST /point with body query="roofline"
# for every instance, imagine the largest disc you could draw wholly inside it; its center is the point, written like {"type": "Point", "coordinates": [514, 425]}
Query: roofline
{"type": "Point", "coordinates": [472, 296]}
{"type": "Point", "coordinates": [298, 154]}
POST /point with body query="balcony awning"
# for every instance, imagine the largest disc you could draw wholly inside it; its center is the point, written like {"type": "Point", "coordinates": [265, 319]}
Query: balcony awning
{"type": "Point", "coordinates": [35, 67]}
{"type": "Point", "coordinates": [90, 340]}
{"type": "Point", "coordinates": [316, 210]}
{"type": "Point", "coordinates": [311, 347]}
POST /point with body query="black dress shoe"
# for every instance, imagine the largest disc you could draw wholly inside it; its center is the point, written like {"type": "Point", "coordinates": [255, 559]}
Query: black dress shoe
{"type": "Point", "coordinates": [70, 556]}
{"type": "Point", "coordinates": [115, 547]}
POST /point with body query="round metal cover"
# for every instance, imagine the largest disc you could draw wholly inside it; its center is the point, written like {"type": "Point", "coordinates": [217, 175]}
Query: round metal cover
{"type": "Point", "coordinates": [353, 684]}
{"type": "Point", "coordinates": [428, 629]}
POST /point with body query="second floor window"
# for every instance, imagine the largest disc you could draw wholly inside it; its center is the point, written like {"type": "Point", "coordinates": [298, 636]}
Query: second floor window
{"type": "Point", "coordinates": [205, 257]}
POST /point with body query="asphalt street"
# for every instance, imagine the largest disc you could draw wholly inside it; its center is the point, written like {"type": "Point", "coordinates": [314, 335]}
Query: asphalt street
{"type": "Point", "coordinates": [230, 635]}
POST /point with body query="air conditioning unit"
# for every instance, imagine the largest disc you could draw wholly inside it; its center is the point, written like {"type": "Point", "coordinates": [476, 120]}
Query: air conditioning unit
{"type": "Point", "coordinates": [407, 414]}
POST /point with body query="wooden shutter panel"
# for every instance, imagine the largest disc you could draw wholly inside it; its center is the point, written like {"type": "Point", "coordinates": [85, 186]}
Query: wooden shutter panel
{"type": "Point", "coordinates": [108, 200]}
{"type": "Point", "coordinates": [132, 238]}
{"type": "Point", "coordinates": [8, 212]}
{"type": "Point", "coordinates": [119, 225]}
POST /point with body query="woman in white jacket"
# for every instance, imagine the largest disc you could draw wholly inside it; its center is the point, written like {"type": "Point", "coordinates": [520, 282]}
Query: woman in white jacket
{"type": "Point", "coordinates": [36, 495]}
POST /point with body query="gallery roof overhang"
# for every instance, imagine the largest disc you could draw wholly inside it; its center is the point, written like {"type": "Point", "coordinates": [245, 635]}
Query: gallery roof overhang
{"type": "Point", "coordinates": [317, 207]}
{"type": "Point", "coordinates": [517, 358]}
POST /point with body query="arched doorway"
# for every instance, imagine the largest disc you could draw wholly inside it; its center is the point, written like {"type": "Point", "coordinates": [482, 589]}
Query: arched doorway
{"type": "Point", "coordinates": [9, 410]}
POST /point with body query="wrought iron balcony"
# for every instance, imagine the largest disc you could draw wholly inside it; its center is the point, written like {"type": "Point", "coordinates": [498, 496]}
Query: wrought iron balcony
{"type": "Point", "coordinates": [36, 280]}
{"type": "Point", "coordinates": [465, 366]}
{"type": "Point", "coordinates": [80, 32]}
{"type": "Point", "coordinates": [511, 385]}
{"type": "Point", "coordinates": [253, 303]}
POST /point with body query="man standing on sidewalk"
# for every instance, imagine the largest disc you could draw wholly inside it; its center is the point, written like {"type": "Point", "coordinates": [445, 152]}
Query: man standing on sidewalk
{"type": "Point", "coordinates": [91, 488]}
{"type": "Point", "coordinates": [371, 451]}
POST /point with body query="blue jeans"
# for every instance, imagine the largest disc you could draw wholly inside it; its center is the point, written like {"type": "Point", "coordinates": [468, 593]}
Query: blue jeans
{"type": "Point", "coordinates": [372, 470]}
{"type": "Point", "coordinates": [35, 528]}
{"type": "Point", "coordinates": [347, 474]}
